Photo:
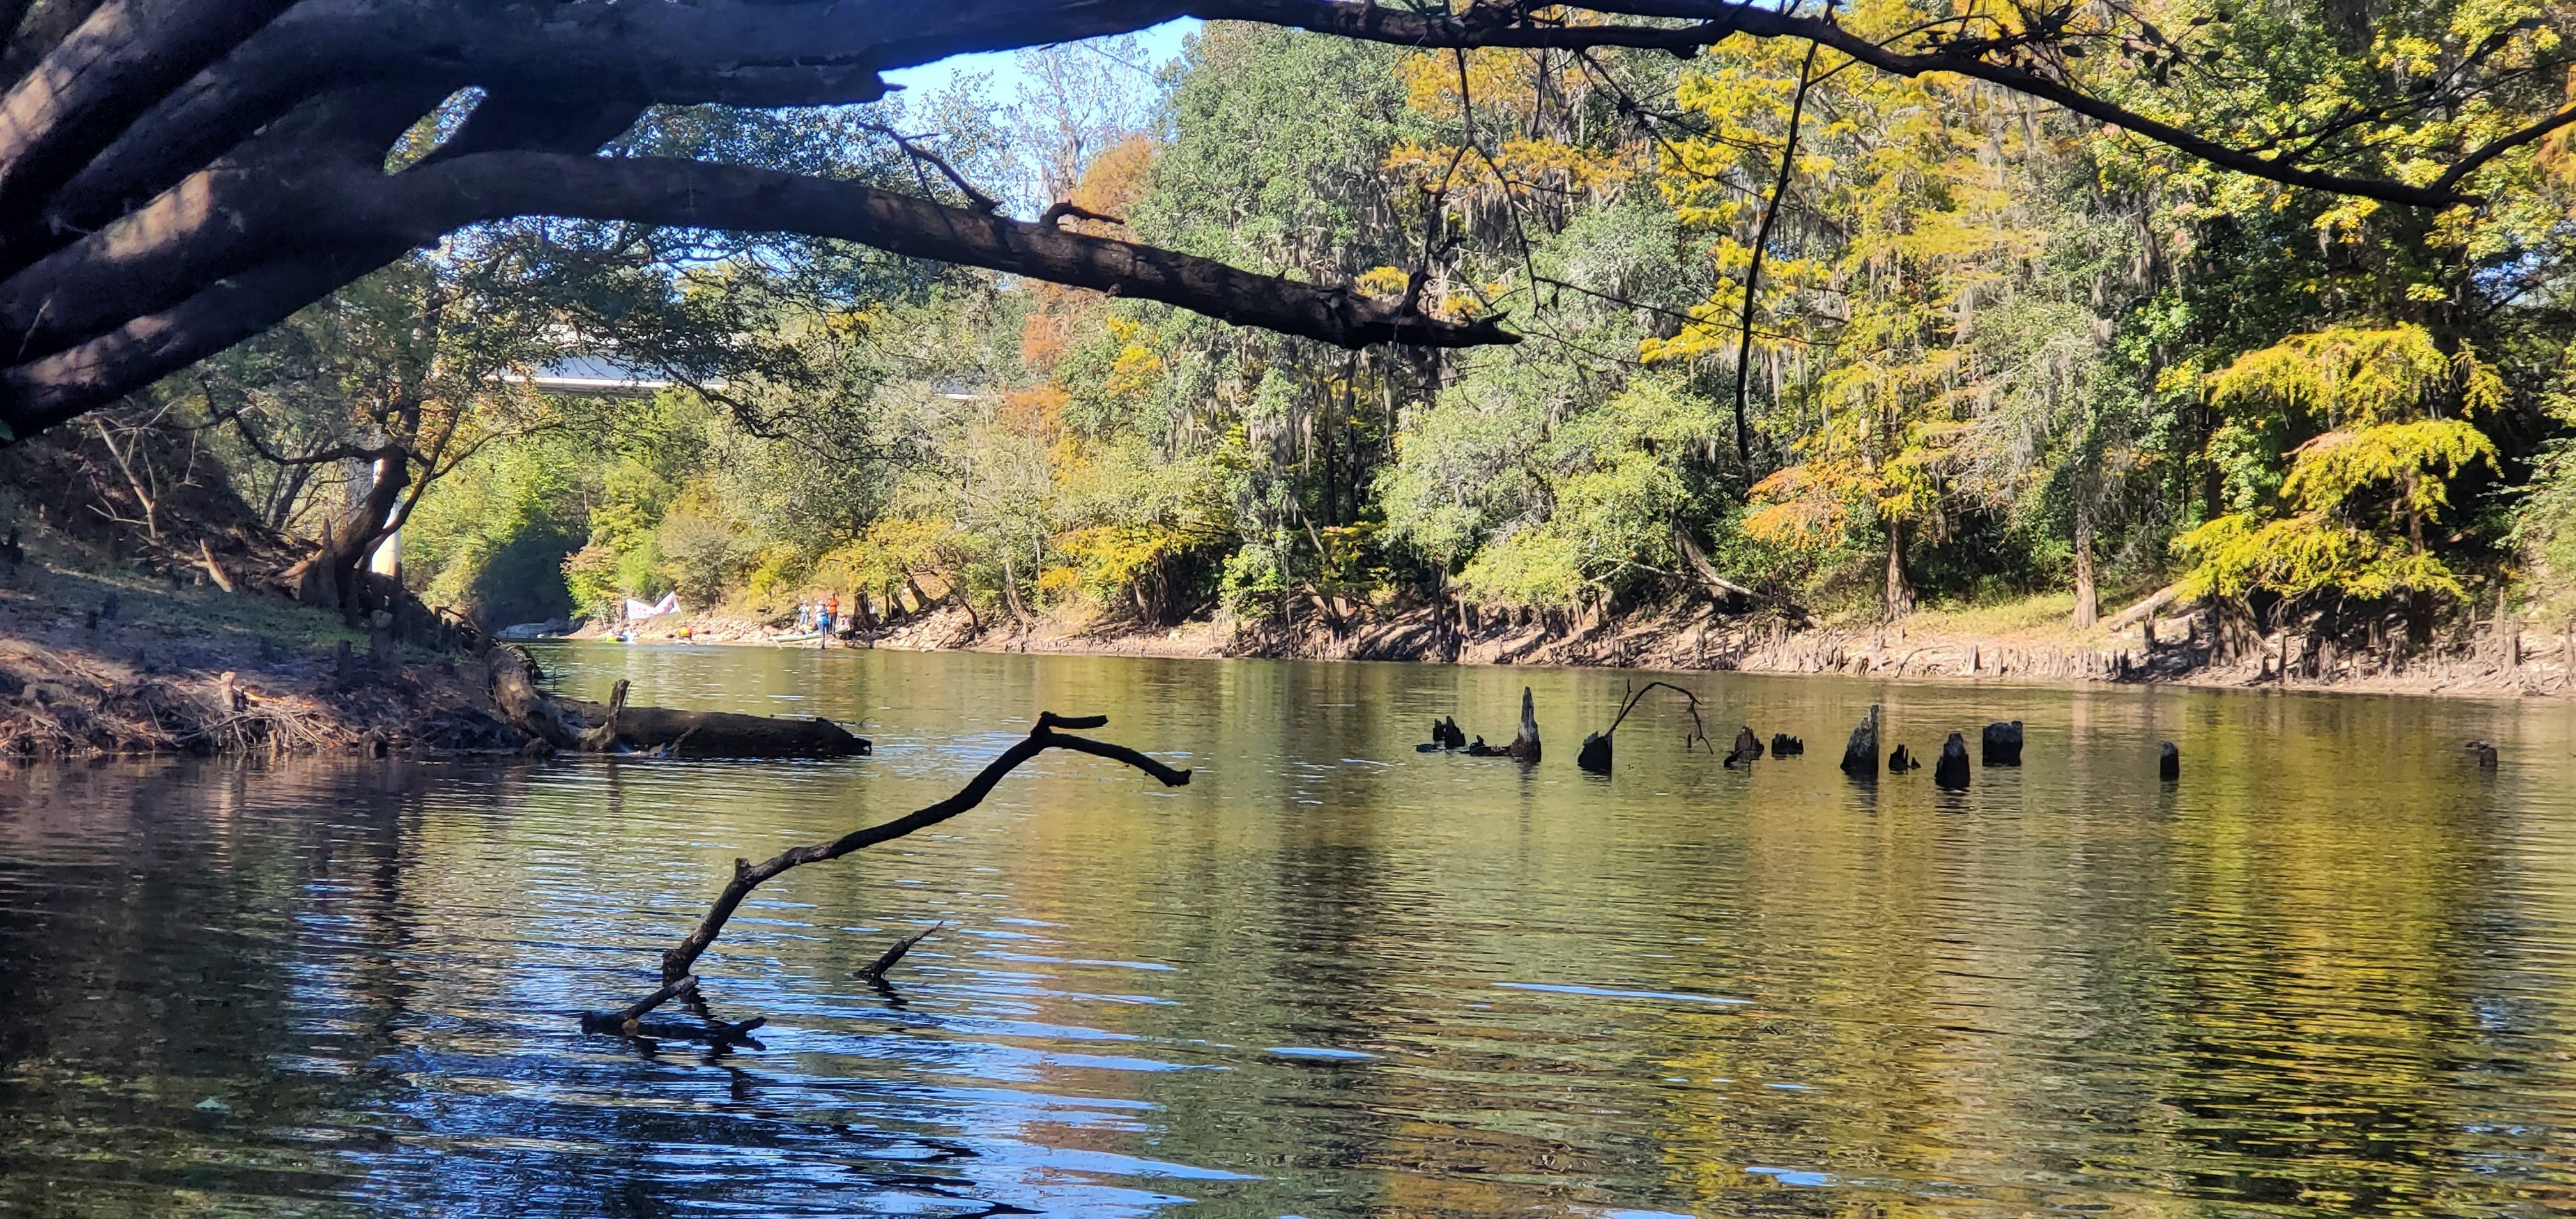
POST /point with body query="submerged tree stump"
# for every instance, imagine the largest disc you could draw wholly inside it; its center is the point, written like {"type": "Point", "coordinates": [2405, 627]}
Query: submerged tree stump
{"type": "Point", "coordinates": [1860, 754]}
{"type": "Point", "coordinates": [1952, 770]}
{"type": "Point", "coordinates": [1524, 747]}
{"type": "Point", "coordinates": [2002, 743]}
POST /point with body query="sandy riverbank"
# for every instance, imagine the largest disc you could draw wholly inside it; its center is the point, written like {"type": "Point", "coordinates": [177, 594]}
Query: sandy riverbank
{"type": "Point", "coordinates": [2028, 643]}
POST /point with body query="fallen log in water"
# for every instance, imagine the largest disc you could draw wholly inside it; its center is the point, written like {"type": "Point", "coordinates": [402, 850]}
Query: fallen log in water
{"type": "Point", "coordinates": [623, 1018]}
{"type": "Point", "coordinates": [573, 724]}
{"type": "Point", "coordinates": [524, 707]}
{"type": "Point", "coordinates": [722, 734]}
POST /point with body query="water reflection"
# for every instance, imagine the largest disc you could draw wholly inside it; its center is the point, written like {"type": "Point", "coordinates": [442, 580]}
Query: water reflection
{"type": "Point", "coordinates": [2329, 972]}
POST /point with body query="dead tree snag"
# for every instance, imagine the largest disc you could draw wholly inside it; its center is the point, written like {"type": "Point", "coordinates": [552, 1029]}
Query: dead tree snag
{"type": "Point", "coordinates": [748, 876]}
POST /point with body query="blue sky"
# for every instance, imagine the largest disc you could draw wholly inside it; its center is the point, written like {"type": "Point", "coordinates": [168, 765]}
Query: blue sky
{"type": "Point", "coordinates": [1162, 44]}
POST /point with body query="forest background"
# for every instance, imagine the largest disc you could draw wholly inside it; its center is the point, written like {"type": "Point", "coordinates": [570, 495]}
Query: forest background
{"type": "Point", "coordinates": [1994, 353]}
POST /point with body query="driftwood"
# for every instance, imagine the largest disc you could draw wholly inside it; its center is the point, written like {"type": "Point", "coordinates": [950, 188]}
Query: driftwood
{"type": "Point", "coordinates": [223, 579]}
{"type": "Point", "coordinates": [1595, 754]}
{"type": "Point", "coordinates": [2154, 601]}
{"type": "Point", "coordinates": [622, 1018]}
{"type": "Point", "coordinates": [748, 876]}
{"type": "Point", "coordinates": [522, 706]}
{"type": "Point", "coordinates": [631, 1021]}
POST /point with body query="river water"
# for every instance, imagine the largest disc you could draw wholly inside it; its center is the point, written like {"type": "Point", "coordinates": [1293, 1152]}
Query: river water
{"type": "Point", "coordinates": [2328, 972]}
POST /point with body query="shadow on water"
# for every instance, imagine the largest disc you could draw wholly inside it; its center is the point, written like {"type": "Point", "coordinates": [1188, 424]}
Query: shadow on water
{"type": "Point", "coordinates": [2327, 972]}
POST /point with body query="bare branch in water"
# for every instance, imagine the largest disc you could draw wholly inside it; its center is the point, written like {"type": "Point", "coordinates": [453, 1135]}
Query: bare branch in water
{"type": "Point", "coordinates": [1699, 731]}
{"type": "Point", "coordinates": [748, 876]}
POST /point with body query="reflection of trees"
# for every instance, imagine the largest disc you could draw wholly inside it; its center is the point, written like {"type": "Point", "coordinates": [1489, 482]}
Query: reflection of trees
{"type": "Point", "coordinates": [2277, 985]}
{"type": "Point", "coordinates": [154, 922]}
{"type": "Point", "coordinates": [2323, 968]}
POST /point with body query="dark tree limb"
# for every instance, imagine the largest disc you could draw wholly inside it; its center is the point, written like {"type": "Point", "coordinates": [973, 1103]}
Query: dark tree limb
{"type": "Point", "coordinates": [748, 876]}
{"type": "Point", "coordinates": [1504, 25]}
{"type": "Point", "coordinates": [105, 73]}
{"type": "Point", "coordinates": [1056, 212]}
{"type": "Point", "coordinates": [158, 106]}
{"type": "Point", "coordinates": [1761, 245]}
{"type": "Point", "coordinates": [605, 1022]}
{"type": "Point", "coordinates": [361, 217]}
{"type": "Point", "coordinates": [876, 970]}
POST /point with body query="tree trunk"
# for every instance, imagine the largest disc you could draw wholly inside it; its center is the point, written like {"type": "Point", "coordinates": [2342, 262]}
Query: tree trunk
{"type": "Point", "coordinates": [1011, 591]}
{"type": "Point", "coordinates": [2088, 603]}
{"type": "Point", "coordinates": [1900, 588]}
{"type": "Point", "coordinates": [330, 575]}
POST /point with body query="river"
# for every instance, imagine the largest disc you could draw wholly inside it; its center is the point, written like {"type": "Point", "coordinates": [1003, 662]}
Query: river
{"type": "Point", "coordinates": [2327, 972]}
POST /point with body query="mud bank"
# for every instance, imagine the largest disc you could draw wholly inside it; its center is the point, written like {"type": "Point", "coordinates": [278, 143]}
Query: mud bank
{"type": "Point", "coordinates": [2180, 648]}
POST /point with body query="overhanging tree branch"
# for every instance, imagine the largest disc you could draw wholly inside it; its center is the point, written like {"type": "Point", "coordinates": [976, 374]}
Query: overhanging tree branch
{"type": "Point", "coordinates": [362, 215]}
{"type": "Point", "coordinates": [1715, 20]}
{"type": "Point", "coordinates": [111, 106]}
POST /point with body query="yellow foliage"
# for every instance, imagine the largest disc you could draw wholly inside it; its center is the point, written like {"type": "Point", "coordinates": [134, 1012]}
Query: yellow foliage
{"type": "Point", "coordinates": [2295, 555]}
{"type": "Point", "coordinates": [2419, 457]}
{"type": "Point", "coordinates": [2354, 375]}
{"type": "Point", "coordinates": [1384, 282]}
{"type": "Point", "coordinates": [778, 566]}
{"type": "Point", "coordinates": [2374, 390]}
{"type": "Point", "coordinates": [1136, 371]}
{"type": "Point", "coordinates": [891, 551]}
{"type": "Point", "coordinates": [1522, 101]}
{"type": "Point", "coordinates": [1806, 508]}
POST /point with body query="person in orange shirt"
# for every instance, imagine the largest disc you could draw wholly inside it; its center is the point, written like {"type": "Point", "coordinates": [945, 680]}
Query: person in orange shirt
{"type": "Point", "coordinates": [831, 614]}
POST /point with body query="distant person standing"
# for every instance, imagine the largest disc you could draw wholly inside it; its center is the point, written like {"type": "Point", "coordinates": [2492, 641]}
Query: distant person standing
{"type": "Point", "coordinates": [831, 612]}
